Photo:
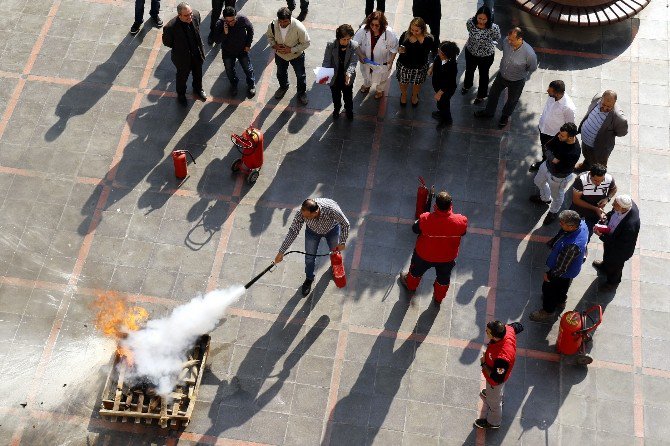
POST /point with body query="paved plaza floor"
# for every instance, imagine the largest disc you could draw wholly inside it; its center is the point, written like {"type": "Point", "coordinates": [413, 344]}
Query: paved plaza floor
{"type": "Point", "coordinates": [89, 203]}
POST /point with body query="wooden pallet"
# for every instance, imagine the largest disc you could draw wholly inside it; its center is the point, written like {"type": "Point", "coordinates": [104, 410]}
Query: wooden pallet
{"type": "Point", "coordinates": [121, 401]}
{"type": "Point", "coordinates": [587, 14]}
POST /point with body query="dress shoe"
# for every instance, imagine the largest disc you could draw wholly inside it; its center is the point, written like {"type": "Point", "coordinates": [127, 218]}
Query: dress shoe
{"type": "Point", "coordinates": [482, 423]}
{"type": "Point", "coordinates": [535, 166]}
{"type": "Point", "coordinates": [541, 316]}
{"type": "Point", "coordinates": [550, 218]}
{"type": "Point", "coordinates": [302, 98]}
{"type": "Point", "coordinates": [336, 114]}
{"type": "Point", "coordinates": [201, 95]}
{"type": "Point", "coordinates": [210, 40]}
{"type": "Point", "coordinates": [350, 114]}
{"type": "Point", "coordinates": [504, 120]}
{"type": "Point", "coordinates": [251, 91]}
{"type": "Point", "coordinates": [158, 23]}
{"type": "Point", "coordinates": [233, 90]}
{"type": "Point", "coordinates": [598, 264]}
{"type": "Point", "coordinates": [464, 90]}
{"type": "Point", "coordinates": [306, 286]}
{"type": "Point", "coordinates": [483, 114]}
{"type": "Point", "coordinates": [607, 287]}
{"type": "Point", "coordinates": [181, 98]}
{"type": "Point", "coordinates": [436, 115]}
{"type": "Point", "coordinates": [478, 101]}
{"type": "Point", "coordinates": [135, 28]}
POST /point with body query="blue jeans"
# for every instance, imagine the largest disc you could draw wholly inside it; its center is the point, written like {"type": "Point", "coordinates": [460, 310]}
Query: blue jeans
{"type": "Point", "coordinates": [245, 63]}
{"type": "Point", "coordinates": [312, 240]}
{"type": "Point", "coordinates": [298, 65]}
{"type": "Point", "coordinates": [139, 9]}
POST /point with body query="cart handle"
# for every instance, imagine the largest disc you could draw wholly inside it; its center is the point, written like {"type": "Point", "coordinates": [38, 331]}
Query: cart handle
{"type": "Point", "coordinates": [587, 314]}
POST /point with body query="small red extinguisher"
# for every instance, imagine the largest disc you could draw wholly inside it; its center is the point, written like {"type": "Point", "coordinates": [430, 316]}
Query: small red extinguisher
{"type": "Point", "coordinates": [339, 276]}
{"type": "Point", "coordinates": [179, 159]}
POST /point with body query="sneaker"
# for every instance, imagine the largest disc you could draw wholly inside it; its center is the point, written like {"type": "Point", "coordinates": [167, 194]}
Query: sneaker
{"type": "Point", "coordinates": [535, 166]}
{"type": "Point", "coordinates": [350, 114]}
{"type": "Point", "coordinates": [478, 100]}
{"type": "Point", "coordinates": [233, 90]}
{"type": "Point", "coordinates": [281, 92]}
{"type": "Point", "coordinates": [504, 120]}
{"type": "Point", "coordinates": [483, 393]}
{"type": "Point", "coordinates": [538, 200]}
{"type": "Point", "coordinates": [251, 91]}
{"type": "Point", "coordinates": [303, 14]}
{"type": "Point", "coordinates": [302, 98]}
{"type": "Point", "coordinates": [181, 98]}
{"type": "Point", "coordinates": [541, 316]}
{"type": "Point", "coordinates": [158, 23]}
{"type": "Point", "coordinates": [483, 114]}
{"type": "Point", "coordinates": [481, 423]}
{"type": "Point", "coordinates": [307, 286]}
{"type": "Point", "coordinates": [135, 28]}
{"type": "Point", "coordinates": [550, 218]}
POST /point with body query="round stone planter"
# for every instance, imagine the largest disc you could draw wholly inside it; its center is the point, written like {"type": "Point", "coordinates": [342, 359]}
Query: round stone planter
{"type": "Point", "coordinates": [583, 12]}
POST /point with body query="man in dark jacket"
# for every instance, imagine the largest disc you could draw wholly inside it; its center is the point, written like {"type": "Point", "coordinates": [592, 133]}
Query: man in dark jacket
{"type": "Point", "coordinates": [603, 122]}
{"type": "Point", "coordinates": [436, 246]}
{"type": "Point", "coordinates": [182, 34]}
{"type": "Point", "coordinates": [497, 363]}
{"type": "Point", "coordinates": [554, 174]}
{"type": "Point", "coordinates": [619, 239]}
{"type": "Point", "coordinates": [431, 13]}
{"type": "Point", "coordinates": [444, 72]}
{"type": "Point", "coordinates": [563, 264]}
{"type": "Point", "coordinates": [217, 7]}
{"type": "Point", "coordinates": [237, 33]}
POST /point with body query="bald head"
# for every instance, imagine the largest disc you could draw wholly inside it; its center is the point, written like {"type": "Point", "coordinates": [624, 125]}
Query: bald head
{"type": "Point", "coordinates": [608, 100]}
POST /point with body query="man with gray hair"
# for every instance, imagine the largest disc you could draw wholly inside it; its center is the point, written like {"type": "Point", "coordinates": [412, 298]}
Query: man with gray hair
{"type": "Point", "coordinates": [602, 123]}
{"type": "Point", "coordinates": [619, 238]}
{"type": "Point", "coordinates": [182, 35]}
{"type": "Point", "coordinates": [563, 264]}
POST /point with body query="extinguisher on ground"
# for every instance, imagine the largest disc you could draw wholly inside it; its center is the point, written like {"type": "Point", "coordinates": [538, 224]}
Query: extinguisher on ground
{"type": "Point", "coordinates": [180, 163]}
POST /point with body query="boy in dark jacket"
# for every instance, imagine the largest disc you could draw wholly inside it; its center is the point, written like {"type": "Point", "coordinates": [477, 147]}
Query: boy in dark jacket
{"type": "Point", "coordinates": [236, 33]}
{"type": "Point", "coordinates": [444, 71]}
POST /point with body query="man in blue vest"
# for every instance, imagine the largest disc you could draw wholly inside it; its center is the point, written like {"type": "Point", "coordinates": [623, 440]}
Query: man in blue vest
{"type": "Point", "coordinates": [564, 263]}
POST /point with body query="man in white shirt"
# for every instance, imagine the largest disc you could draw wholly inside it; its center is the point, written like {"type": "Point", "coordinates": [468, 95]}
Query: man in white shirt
{"type": "Point", "coordinates": [558, 110]}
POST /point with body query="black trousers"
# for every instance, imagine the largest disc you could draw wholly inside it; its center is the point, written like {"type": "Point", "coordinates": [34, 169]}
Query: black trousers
{"type": "Point", "coordinates": [304, 4]}
{"type": "Point", "coordinates": [483, 64]}
{"type": "Point", "coordinates": [419, 266]}
{"type": "Point", "coordinates": [217, 8]}
{"type": "Point", "coordinates": [341, 91]}
{"type": "Point", "coordinates": [554, 293]}
{"type": "Point", "coordinates": [434, 25]}
{"type": "Point", "coordinates": [613, 269]}
{"type": "Point", "coordinates": [444, 107]}
{"type": "Point", "coordinates": [544, 139]}
{"type": "Point", "coordinates": [182, 76]}
{"type": "Point", "coordinates": [514, 90]}
{"type": "Point", "coordinates": [370, 6]}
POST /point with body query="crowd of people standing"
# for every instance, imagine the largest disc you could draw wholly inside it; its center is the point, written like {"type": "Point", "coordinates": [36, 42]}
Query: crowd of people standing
{"type": "Point", "coordinates": [418, 54]}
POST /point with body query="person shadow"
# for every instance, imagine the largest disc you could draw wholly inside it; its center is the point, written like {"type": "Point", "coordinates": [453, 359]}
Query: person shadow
{"type": "Point", "coordinates": [382, 375]}
{"type": "Point", "coordinates": [83, 96]}
{"type": "Point", "coordinates": [242, 396]}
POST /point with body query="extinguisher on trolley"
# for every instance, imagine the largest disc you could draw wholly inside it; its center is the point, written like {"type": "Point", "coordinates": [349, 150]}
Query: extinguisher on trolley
{"type": "Point", "coordinates": [180, 163]}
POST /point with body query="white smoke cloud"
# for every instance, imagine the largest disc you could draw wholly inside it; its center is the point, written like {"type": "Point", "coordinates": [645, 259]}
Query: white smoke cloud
{"type": "Point", "coordinates": [159, 349]}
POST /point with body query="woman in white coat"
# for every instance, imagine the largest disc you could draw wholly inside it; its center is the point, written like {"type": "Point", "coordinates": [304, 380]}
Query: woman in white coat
{"type": "Point", "coordinates": [379, 46]}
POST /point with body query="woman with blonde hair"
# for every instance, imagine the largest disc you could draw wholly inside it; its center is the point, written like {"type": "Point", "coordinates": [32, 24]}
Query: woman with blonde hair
{"type": "Point", "coordinates": [415, 47]}
{"type": "Point", "coordinates": [378, 46]}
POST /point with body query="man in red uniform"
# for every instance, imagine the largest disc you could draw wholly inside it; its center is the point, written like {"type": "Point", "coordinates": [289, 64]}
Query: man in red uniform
{"type": "Point", "coordinates": [436, 247]}
{"type": "Point", "coordinates": [497, 363]}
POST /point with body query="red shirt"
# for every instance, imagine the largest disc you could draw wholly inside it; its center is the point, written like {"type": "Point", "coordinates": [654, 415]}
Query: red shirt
{"type": "Point", "coordinates": [498, 353]}
{"type": "Point", "coordinates": [440, 235]}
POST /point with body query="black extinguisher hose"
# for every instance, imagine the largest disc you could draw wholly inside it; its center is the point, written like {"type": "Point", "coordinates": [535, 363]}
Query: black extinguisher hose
{"type": "Point", "coordinates": [269, 268]}
{"type": "Point", "coordinates": [189, 154]}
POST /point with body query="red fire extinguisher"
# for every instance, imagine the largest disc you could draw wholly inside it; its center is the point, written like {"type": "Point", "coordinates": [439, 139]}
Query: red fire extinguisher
{"type": "Point", "coordinates": [179, 159]}
{"type": "Point", "coordinates": [575, 329]}
{"type": "Point", "coordinates": [339, 276]}
{"type": "Point", "coordinates": [424, 198]}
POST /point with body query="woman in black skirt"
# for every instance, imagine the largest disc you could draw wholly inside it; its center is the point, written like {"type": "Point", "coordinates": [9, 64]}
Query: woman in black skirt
{"type": "Point", "coordinates": [415, 46]}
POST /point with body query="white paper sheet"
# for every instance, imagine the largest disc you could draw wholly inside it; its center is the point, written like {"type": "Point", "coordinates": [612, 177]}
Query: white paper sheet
{"type": "Point", "coordinates": [322, 72]}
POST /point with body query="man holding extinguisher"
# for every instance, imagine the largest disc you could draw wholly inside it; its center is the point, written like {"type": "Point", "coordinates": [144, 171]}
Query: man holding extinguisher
{"type": "Point", "coordinates": [324, 219]}
{"type": "Point", "coordinates": [497, 363]}
{"type": "Point", "coordinates": [436, 246]}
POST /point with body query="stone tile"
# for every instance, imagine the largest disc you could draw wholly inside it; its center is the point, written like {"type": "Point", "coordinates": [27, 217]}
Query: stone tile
{"type": "Point", "coordinates": [301, 431]}
{"type": "Point", "coordinates": [418, 423]}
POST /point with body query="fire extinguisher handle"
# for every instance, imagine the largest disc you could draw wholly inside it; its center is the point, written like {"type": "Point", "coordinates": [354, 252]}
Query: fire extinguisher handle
{"type": "Point", "coordinates": [191, 155]}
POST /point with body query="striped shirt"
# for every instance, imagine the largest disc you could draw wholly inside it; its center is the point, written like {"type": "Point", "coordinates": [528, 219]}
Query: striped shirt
{"type": "Point", "coordinates": [330, 215]}
{"type": "Point", "coordinates": [592, 125]}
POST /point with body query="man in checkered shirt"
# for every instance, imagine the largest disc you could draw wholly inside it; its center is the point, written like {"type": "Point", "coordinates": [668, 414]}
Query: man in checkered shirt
{"type": "Point", "coordinates": [324, 219]}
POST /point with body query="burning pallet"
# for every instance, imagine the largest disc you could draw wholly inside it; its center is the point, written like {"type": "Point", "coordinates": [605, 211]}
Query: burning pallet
{"type": "Point", "coordinates": [140, 402]}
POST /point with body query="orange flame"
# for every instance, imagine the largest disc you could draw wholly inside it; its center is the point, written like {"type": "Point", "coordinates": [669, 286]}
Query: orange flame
{"type": "Point", "coordinates": [115, 318]}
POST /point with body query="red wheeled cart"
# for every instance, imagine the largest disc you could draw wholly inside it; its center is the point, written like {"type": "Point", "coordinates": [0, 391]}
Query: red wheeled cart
{"type": "Point", "coordinates": [575, 331]}
{"type": "Point", "coordinates": [250, 145]}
